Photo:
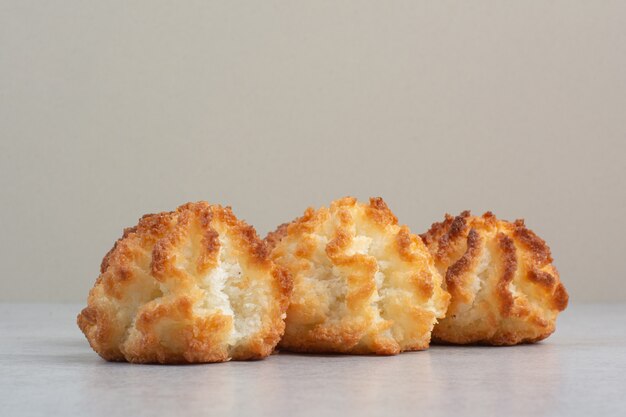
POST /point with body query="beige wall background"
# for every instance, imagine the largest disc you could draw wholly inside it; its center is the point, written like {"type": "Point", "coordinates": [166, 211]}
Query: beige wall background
{"type": "Point", "coordinates": [112, 109]}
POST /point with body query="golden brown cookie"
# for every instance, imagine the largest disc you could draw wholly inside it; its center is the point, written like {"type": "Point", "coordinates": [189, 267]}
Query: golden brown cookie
{"type": "Point", "coordinates": [192, 285]}
{"type": "Point", "coordinates": [504, 287]}
{"type": "Point", "coordinates": [362, 283]}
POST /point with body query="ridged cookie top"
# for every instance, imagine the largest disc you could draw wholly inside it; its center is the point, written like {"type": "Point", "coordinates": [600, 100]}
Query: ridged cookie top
{"type": "Point", "coordinates": [362, 283]}
{"type": "Point", "coordinates": [192, 285]}
{"type": "Point", "coordinates": [504, 287]}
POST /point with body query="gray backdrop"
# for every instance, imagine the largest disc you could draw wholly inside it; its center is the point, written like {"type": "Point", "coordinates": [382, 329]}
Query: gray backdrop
{"type": "Point", "coordinates": [109, 110]}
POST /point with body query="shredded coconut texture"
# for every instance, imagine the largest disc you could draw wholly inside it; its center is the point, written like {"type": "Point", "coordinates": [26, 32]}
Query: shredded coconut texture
{"type": "Point", "coordinates": [505, 289]}
{"type": "Point", "coordinates": [362, 283]}
{"type": "Point", "coordinates": [192, 285]}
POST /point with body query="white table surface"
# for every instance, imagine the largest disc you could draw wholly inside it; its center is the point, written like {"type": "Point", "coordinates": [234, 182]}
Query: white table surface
{"type": "Point", "coordinates": [47, 368]}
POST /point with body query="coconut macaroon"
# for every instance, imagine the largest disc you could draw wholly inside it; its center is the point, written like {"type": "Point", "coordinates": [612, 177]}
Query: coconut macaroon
{"type": "Point", "coordinates": [362, 283]}
{"type": "Point", "coordinates": [192, 285]}
{"type": "Point", "coordinates": [504, 287]}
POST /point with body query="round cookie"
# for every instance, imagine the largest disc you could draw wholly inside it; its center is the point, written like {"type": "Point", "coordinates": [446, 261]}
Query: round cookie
{"type": "Point", "coordinates": [504, 287]}
{"type": "Point", "coordinates": [192, 285]}
{"type": "Point", "coordinates": [362, 283]}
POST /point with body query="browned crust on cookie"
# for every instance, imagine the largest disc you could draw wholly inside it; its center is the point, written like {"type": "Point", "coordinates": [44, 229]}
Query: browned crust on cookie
{"type": "Point", "coordinates": [520, 293]}
{"type": "Point", "coordinates": [461, 267]}
{"type": "Point", "coordinates": [154, 284]}
{"type": "Point", "coordinates": [536, 245]}
{"type": "Point", "coordinates": [276, 236]}
{"type": "Point", "coordinates": [380, 212]}
{"type": "Point", "coordinates": [508, 258]}
{"type": "Point", "coordinates": [319, 246]}
{"type": "Point", "coordinates": [450, 230]}
{"type": "Point", "coordinates": [541, 277]}
{"type": "Point", "coordinates": [561, 298]}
